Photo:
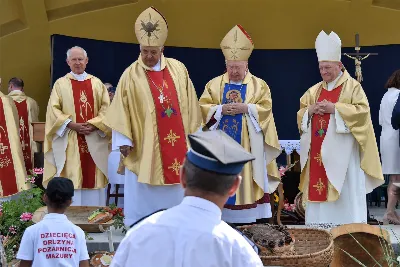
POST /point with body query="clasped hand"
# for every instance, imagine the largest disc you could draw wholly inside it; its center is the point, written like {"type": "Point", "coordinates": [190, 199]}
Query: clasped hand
{"type": "Point", "coordinates": [82, 128]}
{"type": "Point", "coordinates": [321, 108]}
{"type": "Point", "coordinates": [233, 109]}
{"type": "Point", "coordinates": [125, 150]}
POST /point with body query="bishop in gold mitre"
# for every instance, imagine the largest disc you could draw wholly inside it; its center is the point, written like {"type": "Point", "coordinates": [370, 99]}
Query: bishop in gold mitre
{"type": "Point", "coordinates": [12, 166]}
{"type": "Point", "coordinates": [28, 112]}
{"type": "Point", "coordinates": [154, 108]}
{"type": "Point", "coordinates": [240, 104]}
{"type": "Point", "coordinates": [339, 156]}
{"type": "Point", "coordinates": [76, 141]}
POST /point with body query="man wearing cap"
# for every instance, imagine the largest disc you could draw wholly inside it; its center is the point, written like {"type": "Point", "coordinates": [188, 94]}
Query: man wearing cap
{"type": "Point", "coordinates": [155, 107]}
{"type": "Point", "coordinates": [12, 166]}
{"type": "Point", "coordinates": [192, 234]}
{"type": "Point", "coordinates": [76, 142]}
{"type": "Point", "coordinates": [339, 156]}
{"type": "Point", "coordinates": [240, 104]}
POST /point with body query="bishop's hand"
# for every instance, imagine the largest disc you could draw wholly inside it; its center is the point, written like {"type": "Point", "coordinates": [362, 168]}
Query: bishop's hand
{"type": "Point", "coordinates": [239, 108]}
{"type": "Point", "coordinates": [89, 128]}
{"type": "Point", "coordinates": [77, 127]}
{"type": "Point", "coordinates": [227, 109]}
{"type": "Point", "coordinates": [315, 109]}
{"type": "Point", "coordinates": [235, 108]}
{"type": "Point", "coordinates": [327, 107]}
{"type": "Point", "coordinates": [125, 150]}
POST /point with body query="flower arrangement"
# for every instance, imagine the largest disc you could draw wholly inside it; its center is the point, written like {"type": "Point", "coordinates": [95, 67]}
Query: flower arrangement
{"type": "Point", "coordinates": [118, 217]}
{"type": "Point", "coordinates": [289, 207]}
{"type": "Point", "coordinates": [282, 173]}
{"type": "Point", "coordinates": [16, 215]}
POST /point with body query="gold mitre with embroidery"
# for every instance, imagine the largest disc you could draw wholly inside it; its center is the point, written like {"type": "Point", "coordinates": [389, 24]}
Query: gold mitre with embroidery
{"type": "Point", "coordinates": [151, 28]}
{"type": "Point", "coordinates": [237, 44]}
{"type": "Point", "coordinates": [328, 47]}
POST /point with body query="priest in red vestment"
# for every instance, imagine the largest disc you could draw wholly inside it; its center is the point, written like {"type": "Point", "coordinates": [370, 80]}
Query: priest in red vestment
{"type": "Point", "coordinates": [154, 108]}
{"type": "Point", "coordinates": [76, 141]}
{"type": "Point", "coordinates": [12, 166]}
{"type": "Point", "coordinates": [339, 156]}
{"type": "Point", "coordinates": [28, 112]}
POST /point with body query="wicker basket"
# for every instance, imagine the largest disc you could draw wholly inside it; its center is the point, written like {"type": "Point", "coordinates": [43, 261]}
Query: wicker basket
{"type": "Point", "coordinates": [314, 248]}
{"type": "Point", "coordinates": [372, 238]}
{"type": "Point", "coordinates": [300, 205]}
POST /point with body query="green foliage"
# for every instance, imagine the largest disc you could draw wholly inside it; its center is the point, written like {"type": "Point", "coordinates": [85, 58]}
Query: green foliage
{"type": "Point", "coordinates": [118, 217]}
{"type": "Point", "coordinates": [87, 236]}
{"type": "Point", "coordinates": [28, 201]}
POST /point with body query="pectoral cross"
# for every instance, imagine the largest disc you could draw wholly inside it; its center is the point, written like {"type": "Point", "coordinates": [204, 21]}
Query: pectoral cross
{"type": "Point", "coordinates": [358, 57]}
{"type": "Point", "coordinates": [161, 98]}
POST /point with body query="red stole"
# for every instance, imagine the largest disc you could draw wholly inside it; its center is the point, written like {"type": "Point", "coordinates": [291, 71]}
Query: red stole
{"type": "Point", "coordinates": [7, 172]}
{"type": "Point", "coordinates": [318, 186]}
{"type": "Point", "coordinates": [23, 122]}
{"type": "Point", "coordinates": [84, 104]}
{"type": "Point", "coordinates": [171, 134]}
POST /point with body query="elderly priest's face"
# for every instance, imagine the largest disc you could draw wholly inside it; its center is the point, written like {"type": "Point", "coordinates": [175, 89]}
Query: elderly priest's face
{"type": "Point", "coordinates": [77, 60]}
{"type": "Point", "coordinates": [236, 70]}
{"type": "Point", "coordinates": [329, 70]}
{"type": "Point", "coordinates": [151, 55]}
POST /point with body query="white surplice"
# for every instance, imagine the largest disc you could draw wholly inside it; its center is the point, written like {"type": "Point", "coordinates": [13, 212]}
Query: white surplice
{"type": "Point", "coordinates": [142, 199]}
{"type": "Point", "coordinates": [341, 158]}
{"type": "Point", "coordinates": [263, 158]}
{"type": "Point", "coordinates": [188, 235]}
{"type": "Point", "coordinates": [82, 197]}
{"type": "Point", "coordinates": [389, 143]}
{"type": "Point", "coordinates": [114, 178]}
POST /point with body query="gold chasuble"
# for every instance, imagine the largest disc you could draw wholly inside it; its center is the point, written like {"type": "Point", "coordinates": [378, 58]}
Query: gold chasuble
{"type": "Point", "coordinates": [28, 112]}
{"type": "Point", "coordinates": [81, 158]}
{"type": "Point", "coordinates": [258, 97]}
{"type": "Point", "coordinates": [156, 110]}
{"type": "Point", "coordinates": [254, 130]}
{"type": "Point", "coordinates": [352, 105]}
{"type": "Point", "coordinates": [12, 167]}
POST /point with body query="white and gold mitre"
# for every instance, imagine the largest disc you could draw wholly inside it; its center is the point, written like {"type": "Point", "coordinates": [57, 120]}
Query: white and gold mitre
{"type": "Point", "coordinates": [328, 47]}
{"type": "Point", "coordinates": [237, 44]}
{"type": "Point", "coordinates": [151, 28]}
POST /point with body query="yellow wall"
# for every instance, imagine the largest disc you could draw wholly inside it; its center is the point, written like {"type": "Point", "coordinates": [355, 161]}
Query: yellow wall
{"type": "Point", "coordinates": [26, 26]}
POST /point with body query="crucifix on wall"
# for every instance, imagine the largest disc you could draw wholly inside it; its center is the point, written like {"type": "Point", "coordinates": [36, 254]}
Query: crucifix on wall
{"type": "Point", "coordinates": [358, 57]}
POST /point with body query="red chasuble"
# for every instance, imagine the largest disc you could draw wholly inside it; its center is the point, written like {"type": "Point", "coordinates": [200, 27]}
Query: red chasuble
{"type": "Point", "coordinates": [171, 134]}
{"type": "Point", "coordinates": [7, 172]}
{"type": "Point", "coordinates": [23, 122]}
{"type": "Point", "coordinates": [318, 186]}
{"type": "Point", "coordinates": [84, 104]}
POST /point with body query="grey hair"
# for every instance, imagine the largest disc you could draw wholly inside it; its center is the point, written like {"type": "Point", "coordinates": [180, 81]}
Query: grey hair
{"type": "Point", "coordinates": [160, 47]}
{"type": "Point", "coordinates": [69, 51]}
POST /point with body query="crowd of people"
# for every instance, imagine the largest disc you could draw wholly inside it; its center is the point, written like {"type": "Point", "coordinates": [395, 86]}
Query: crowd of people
{"type": "Point", "coordinates": [191, 165]}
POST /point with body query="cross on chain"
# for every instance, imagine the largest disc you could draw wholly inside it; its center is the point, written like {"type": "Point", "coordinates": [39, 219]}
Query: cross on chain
{"type": "Point", "coordinates": [161, 98]}
{"type": "Point", "coordinates": [358, 57]}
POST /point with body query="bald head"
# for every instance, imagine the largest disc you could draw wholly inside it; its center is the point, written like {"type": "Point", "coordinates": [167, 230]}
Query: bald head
{"type": "Point", "coordinates": [77, 59]}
